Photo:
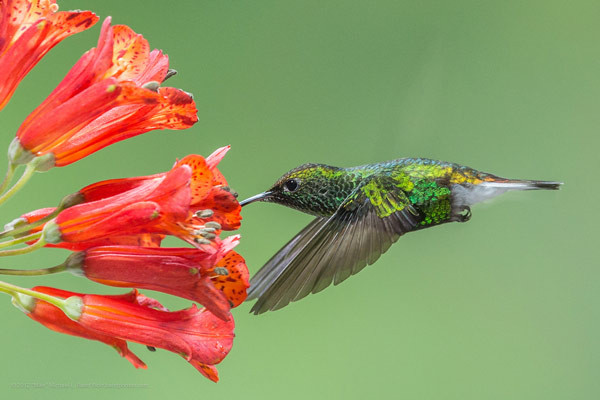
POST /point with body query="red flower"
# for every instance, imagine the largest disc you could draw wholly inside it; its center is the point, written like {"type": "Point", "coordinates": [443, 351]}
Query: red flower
{"type": "Point", "coordinates": [197, 335]}
{"type": "Point", "coordinates": [156, 206]}
{"type": "Point", "coordinates": [145, 239]}
{"type": "Point", "coordinates": [209, 190]}
{"type": "Point", "coordinates": [53, 318]}
{"type": "Point", "coordinates": [182, 202]}
{"type": "Point", "coordinates": [28, 30]}
{"type": "Point", "coordinates": [189, 273]}
{"type": "Point", "coordinates": [109, 95]}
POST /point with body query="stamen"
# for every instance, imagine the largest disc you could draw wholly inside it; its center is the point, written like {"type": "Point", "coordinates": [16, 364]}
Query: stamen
{"type": "Point", "coordinates": [213, 225]}
{"type": "Point", "coordinates": [204, 213]}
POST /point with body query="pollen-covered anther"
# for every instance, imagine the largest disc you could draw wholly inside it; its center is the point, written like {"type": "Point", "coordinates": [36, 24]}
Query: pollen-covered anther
{"type": "Point", "coordinates": [209, 235]}
{"type": "Point", "coordinates": [152, 85]}
{"type": "Point", "coordinates": [221, 271]}
{"type": "Point", "coordinates": [212, 225]}
{"type": "Point", "coordinates": [228, 189]}
{"type": "Point", "coordinates": [204, 213]}
{"type": "Point", "coordinates": [170, 73]}
{"type": "Point", "coordinates": [201, 240]}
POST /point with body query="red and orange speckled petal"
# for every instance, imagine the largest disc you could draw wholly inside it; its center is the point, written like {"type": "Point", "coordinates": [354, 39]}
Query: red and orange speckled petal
{"type": "Point", "coordinates": [130, 53]}
{"type": "Point", "coordinates": [235, 283]}
{"type": "Point", "coordinates": [66, 23]}
{"type": "Point", "coordinates": [215, 158]}
{"type": "Point", "coordinates": [209, 371]}
{"type": "Point", "coordinates": [39, 9]}
{"type": "Point", "coordinates": [177, 109]}
{"type": "Point", "coordinates": [218, 178]}
{"type": "Point", "coordinates": [18, 15]}
{"type": "Point", "coordinates": [156, 68]}
{"type": "Point", "coordinates": [201, 182]}
{"type": "Point", "coordinates": [225, 206]}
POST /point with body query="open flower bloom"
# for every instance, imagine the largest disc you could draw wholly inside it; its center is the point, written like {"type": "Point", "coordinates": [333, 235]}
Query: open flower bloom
{"type": "Point", "coordinates": [217, 280]}
{"type": "Point", "coordinates": [109, 95]}
{"type": "Point", "coordinates": [53, 318]}
{"type": "Point", "coordinates": [211, 199]}
{"type": "Point", "coordinates": [191, 201]}
{"type": "Point", "coordinates": [197, 335]}
{"type": "Point", "coordinates": [28, 30]}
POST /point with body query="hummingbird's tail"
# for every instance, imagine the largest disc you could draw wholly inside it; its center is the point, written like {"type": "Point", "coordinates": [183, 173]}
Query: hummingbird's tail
{"type": "Point", "coordinates": [468, 194]}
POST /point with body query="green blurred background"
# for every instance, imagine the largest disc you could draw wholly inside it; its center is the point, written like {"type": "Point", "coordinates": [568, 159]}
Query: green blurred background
{"type": "Point", "coordinates": [504, 307]}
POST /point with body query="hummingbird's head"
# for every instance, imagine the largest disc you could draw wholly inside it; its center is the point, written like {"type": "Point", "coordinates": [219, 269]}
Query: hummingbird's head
{"type": "Point", "coordinates": [311, 188]}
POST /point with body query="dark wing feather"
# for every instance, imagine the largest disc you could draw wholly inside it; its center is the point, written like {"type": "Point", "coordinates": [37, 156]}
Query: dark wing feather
{"type": "Point", "coordinates": [332, 249]}
{"type": "Point", "coordinates": [276, 265]}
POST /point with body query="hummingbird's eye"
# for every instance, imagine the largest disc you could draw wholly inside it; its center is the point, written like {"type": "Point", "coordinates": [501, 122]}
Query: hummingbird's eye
{"type": "Point", "coordinates": [291, 185]}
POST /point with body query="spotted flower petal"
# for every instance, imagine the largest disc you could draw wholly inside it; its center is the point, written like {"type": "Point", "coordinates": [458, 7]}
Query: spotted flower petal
{"type": "Point", "coordinates": [28, 30]}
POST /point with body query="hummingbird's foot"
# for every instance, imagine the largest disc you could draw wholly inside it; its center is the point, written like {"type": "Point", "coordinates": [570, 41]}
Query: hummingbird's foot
{"type": "Point", "coordinates": [463, 214]}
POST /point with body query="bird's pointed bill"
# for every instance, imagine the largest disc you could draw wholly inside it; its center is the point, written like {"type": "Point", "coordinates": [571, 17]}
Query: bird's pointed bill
{"type": "Point", "coordinates": [258, 197]}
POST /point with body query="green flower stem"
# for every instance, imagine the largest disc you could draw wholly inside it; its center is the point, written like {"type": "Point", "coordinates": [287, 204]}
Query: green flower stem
{"type": "Point", "coordinates": [10, 172]}
{"type": "Point", "coordinates": [27, 174]}
{"type": "Point", "coordinates": [33, 272]}
{"type": "Point", "coordinates": [24, 228]}
{"type": "Point", "coordinates": [28, 238]}
{"type": "Point", "coordinates": [12, 290]}
{"type": "Point", "coordinates": [14, 252]}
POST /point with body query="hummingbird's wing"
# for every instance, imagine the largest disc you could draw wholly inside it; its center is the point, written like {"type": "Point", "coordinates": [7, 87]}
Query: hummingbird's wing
{"type": "Point", "coordinates": [331, 249]}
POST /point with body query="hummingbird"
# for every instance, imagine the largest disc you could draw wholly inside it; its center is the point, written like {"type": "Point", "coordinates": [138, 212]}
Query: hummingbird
{"type": "Point", "coordinates": [359, 212]}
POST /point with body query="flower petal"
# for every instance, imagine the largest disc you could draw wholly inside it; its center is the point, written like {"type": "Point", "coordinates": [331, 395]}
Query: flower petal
{"type": "Point", "coordinates": [53, 318]}
{"type": "Point", "coordinates": [130, 54]}
{"type": "Point", "coordinates": [235, 283]}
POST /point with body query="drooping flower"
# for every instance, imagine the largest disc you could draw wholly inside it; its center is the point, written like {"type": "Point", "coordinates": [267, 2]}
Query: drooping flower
{"type": "Point", "coordinates": [196, 334]}
{"type": "Point", "coordinates": [191, 201]}
{"type": "Point", "coordinates": [28, 30]}
{"type": "Point", "coordinates": [209, 278]}
{"type": "Point", "coordinates": [53, 318]}
{"type": "Point", "coordinates": [112, 93]}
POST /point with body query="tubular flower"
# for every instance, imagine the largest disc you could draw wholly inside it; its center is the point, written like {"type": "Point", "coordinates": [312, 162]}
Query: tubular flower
{"type": "Point", "coordinates": [112, 93]}
{"type": "Point", "coordinates": [153, 207]}
{"type": "Point", "coordinates": [28, 30]}
{"type": "Point", "coordinates": [191, 201]}
{"type": "Point", "coordinates": [211, 198]}
{"type": "Point", "coordinates": [144, 239]}
{"type": "Point", "coordinates": [53, 318]}
{"type": "Point", "coordinates": [197, 335]}
{"type": "Point", "coordinates": [184, 272]}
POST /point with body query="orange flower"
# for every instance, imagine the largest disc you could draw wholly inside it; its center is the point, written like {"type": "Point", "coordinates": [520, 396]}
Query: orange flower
{"type": "Point", "coordinates": [191, 201]}
{"type": "Point", "coordinates": [53, 318]}
{"type": "Point", "coordinates": [109, 95]}
{"type": "Point", "coordinates": [197, 335]}
{"type": "Point", "coordinates": [189, 273]}
{"type": "Point", "coordinates": [28, 30]}
{"type": "Point", "coordinates": [156, 206]}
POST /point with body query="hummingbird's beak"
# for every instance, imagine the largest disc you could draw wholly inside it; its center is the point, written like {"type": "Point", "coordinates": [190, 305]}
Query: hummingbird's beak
{"type": "Point", "coordinates": [252, 199]}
